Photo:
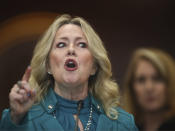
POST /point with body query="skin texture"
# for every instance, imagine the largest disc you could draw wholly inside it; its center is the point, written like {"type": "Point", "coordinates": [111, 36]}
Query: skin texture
{"type": "Point", "coordinates": [71, 43]}
{"type": "Point", "coordinates": [149, 87]}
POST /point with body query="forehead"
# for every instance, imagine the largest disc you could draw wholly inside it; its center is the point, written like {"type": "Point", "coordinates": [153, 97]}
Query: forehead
{"type": "Point", "coordinates": [145, 66]}
{"type": "Point", "coordinates": [70, 30]}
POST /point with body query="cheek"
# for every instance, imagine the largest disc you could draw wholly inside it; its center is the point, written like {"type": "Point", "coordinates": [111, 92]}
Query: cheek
{"type": "Point", "coordinates": [54, 59]}
{"type": "Point", "coordinates": [139, 94]}
{"type": "Point", "coordinates": [161, 90]}
{"type": "Point", "coordinates": [138, 90]}
{"type": "Point", "coordinates": [87, 59]}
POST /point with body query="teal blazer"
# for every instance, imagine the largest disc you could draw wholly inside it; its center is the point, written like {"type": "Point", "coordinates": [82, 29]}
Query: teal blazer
{"type": "Point", "coordinates": [41, 118]}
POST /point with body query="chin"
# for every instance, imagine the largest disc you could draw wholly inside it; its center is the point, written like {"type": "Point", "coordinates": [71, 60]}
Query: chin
{"type": "Point", "coordinates": [152, 108]}
{"type": "Point", "coordinates": [71, 80]}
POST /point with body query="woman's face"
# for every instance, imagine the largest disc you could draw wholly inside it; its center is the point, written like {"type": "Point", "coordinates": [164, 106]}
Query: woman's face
{"type": "Point", "coordinates": [149, 88]}
{"type": "Point", "coordinates": [70, 61]}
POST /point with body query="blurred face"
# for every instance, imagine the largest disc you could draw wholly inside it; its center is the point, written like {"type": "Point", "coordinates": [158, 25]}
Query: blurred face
{"type": "Point", "coordinates": [70, 61]}
{"type": "Point", "coordinates": [149, 87]}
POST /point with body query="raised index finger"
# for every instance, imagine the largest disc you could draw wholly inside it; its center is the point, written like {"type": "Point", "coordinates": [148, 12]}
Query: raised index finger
{"type": "Point", "coordinates": [27, 73]}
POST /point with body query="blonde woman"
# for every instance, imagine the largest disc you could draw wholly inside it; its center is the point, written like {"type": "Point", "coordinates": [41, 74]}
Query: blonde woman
{"type": "Point", "coordinates": [149, 89]}
{"type": "Point", "coordinates": [68, 86]}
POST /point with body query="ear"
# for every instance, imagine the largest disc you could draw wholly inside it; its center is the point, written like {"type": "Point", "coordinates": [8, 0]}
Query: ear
{"type": "Point", "coordinates": [94, 69]}
{"type": "Point", "coordinates": [48, 69]}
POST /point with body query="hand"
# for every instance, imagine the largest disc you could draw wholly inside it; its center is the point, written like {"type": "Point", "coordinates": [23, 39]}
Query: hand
{"type": "Point", "coordinates": [21, 98]}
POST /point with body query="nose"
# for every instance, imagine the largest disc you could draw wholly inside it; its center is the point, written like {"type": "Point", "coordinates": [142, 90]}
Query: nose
{"type": "Point", "coordinates": [71, 50]}
{"type": "Point", "coordinates": [149, 85]}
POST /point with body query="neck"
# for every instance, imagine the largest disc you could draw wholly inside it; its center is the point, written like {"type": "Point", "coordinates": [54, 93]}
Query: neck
{"type": "Point", "coordinates": [152, 120]}
{"type": "Point", "coordinates": [76, 93]}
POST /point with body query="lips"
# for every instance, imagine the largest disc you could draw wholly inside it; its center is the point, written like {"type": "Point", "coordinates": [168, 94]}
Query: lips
{"type": "Point", "coordinates": [70, 65]}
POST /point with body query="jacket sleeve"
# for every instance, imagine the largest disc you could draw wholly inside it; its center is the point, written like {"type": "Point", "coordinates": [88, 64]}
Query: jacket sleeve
{"type": "Point", "coordinates": [7, 124]}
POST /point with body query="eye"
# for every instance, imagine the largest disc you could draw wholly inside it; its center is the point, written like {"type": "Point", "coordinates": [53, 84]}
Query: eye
{"type": "Point", "coordinates": [61, 44]}
{"type": "Point", "coordinates": [82, 44]}
{"type": "Point", "coordinates": [140, 79]}
{"type": "Point", "coordinates": [157, 78]}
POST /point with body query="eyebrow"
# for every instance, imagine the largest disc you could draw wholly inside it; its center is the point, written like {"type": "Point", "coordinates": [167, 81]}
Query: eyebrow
{"type": "Point", "coordinates": [80, 38]}
{"type": "Point", "coordinates": [63, 38]}
{"type": "Point", "coordinates": [77, 38]}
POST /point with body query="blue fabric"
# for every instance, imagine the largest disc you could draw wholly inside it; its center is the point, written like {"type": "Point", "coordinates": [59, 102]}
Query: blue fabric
{"type": "Point", "coordinates": [41, 118]}
{"type": "Point", "coordinates": [65, 109]}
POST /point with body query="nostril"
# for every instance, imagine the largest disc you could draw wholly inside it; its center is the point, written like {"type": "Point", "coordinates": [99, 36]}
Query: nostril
{"type": "Point", "coordinates": [71, 53]}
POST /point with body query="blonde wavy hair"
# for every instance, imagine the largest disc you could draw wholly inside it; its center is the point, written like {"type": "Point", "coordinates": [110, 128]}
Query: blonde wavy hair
{"type": "Point", "coordinates": [101, 86]}
{"type": "Point", "coordinates": [165, 65]}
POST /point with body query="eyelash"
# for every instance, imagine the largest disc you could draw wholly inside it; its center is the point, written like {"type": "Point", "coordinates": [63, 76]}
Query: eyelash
{"type": "Point", "coordinates": [84, 45]}
{"type": "Point", "coordinates": [60, 44]}
{"type": "Point", "coordinates": [80, 44]}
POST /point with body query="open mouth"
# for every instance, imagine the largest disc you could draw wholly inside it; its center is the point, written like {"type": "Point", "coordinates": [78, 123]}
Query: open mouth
{"type": "Point", "coordinates": [70, 65]}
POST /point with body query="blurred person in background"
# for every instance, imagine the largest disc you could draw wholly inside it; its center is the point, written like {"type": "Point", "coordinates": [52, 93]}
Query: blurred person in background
{"type": "Point", "coordinates": [149, 89]}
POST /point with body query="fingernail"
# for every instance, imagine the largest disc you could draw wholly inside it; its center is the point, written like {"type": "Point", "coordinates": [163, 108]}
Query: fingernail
{"type": "Point", "coordinates": [19, 84]}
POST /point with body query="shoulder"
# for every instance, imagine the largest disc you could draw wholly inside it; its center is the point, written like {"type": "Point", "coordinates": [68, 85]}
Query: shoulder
{"type": "Point", "coordinates": [124, 116]}
{"type": "Point", "coordinates": [125, 119]}
{"type": "Point", "coordinates": [124, 122]}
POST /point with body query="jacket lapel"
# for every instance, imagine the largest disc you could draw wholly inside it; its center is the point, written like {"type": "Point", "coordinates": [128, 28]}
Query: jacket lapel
{"type": "Point", "coordinates": [50, 124]}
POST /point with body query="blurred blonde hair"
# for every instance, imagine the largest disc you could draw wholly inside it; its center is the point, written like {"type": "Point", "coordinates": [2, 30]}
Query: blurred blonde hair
{"type": "Point", "coordinates": [101, 86]}
{"type": "Point", "coordinates": [164, 64]}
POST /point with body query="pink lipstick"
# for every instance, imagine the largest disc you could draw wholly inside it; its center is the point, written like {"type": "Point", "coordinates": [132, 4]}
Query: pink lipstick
{"type": "Point", "coordinates": [70, 65]}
